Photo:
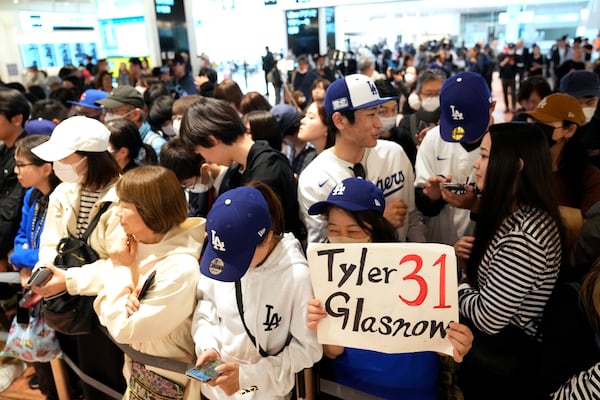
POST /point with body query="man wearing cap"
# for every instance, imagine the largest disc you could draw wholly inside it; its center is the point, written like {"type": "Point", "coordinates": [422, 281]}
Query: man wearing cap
{"type": "Point", "coordinates": [353, 106]}
{"type": "Point", "coordinates": [126, 102]}
{"type": "Point", "coordinates": [298, 152]}
{"type": "Point", "coordinates": [585, 87]}
{"type": "Point", "coordinates": [87, 104]}
{"type": "Point", "coordinates": [578, 182]}
{"type": "Point", "coordinates": [447, 154]}
{"type": "Point", "coordinates": [182, 77]}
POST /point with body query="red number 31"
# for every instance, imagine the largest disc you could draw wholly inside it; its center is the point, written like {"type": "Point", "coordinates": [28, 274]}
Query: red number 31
{"type": "Point", "coordinates": [423, 289]}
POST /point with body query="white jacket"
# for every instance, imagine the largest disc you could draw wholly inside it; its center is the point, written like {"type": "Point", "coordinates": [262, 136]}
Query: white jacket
{"type": "Point", "coordinates": [275, 296]}
{"type": "Point", "coordinates": [162, 324]}
{"type": "Point", "coordinates": [61, 219]}
{"type": "Point", "coordinates": [386, 165]}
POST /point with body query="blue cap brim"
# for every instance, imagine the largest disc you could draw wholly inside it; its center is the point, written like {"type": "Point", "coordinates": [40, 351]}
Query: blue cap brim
{"type": "Point", "coordinates": [233, 267]}
{"type": "Point", "coordinates": [321, 206]}
{"type": "Point", "coordinates": [373, 103]}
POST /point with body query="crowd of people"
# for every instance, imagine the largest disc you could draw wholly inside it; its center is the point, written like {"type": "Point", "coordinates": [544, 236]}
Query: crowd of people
{"type": "Point", "coordinates": [200, 200]}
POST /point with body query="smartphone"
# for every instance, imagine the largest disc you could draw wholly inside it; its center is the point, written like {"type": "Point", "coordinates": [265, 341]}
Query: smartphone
{"type": "Point", "coordinates": [29, 299]}
{"type": "Point", "coordinates": [205, 372]}
{"type": "Point", "coordinates": [39, 277]}
{"type": "Point", "coordinates": [146, 284]}
{"type": "Point", "coordinates": [452, 186]}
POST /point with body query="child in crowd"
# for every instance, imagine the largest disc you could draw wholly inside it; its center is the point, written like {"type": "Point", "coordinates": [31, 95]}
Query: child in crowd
{"type": "Point", "coordinates": [37, 175]}
{"type": "Point", "coordinates": [355, 215]}
{"type": "Point", "coordinates": [253, 293]}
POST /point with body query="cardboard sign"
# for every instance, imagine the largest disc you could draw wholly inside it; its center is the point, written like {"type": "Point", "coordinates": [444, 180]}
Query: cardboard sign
{"type": "Point", "coordinates": [386, 297]}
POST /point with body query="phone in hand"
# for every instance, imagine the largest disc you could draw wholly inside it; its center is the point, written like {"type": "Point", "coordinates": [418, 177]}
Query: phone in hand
{"type": "Point", "coordinates": [39, 277]}
{"type": "Point", "coordinates": [205, 372]}
{"type": "Point", "coordinates": [452, 186]}
{"type": "Point", "coordinates": [146, 285]}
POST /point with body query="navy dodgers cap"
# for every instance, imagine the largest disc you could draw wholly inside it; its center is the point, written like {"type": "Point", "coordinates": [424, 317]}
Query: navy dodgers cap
{"type": "Point", "coordinates": [465, 102]}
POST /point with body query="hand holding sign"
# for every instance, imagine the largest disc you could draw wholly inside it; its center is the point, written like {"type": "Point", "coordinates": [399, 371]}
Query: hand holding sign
{"type": "Point", "coordinates": [387, 297]}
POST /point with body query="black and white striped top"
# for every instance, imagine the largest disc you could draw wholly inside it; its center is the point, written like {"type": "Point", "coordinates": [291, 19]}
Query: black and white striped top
{"type": "Point", "coordinates": [583, 386]}
{"type": "Point", "coordinates": [517, 274]}
{"type": "Point", "coordinates": [86, 202]}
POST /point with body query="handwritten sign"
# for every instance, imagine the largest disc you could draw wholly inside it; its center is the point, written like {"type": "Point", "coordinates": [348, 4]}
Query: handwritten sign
{"type": "Point", "coordinates": [387, 297]}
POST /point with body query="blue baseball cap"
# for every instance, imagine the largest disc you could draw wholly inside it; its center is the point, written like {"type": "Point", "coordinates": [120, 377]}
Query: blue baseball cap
{"type": "Point", "coordinates": [465, 102]}
{"type": "Point", "coordinates": [352, 194]}
{"type": "Point", "coordinates": [89, 98]}
{"type": "Point", "coordinates": [352, 92]}
{"type": "Point", "coordinates": [286, 116]}
{"type": "Point", "coordinates": [580, 84]}
{"type": "Point", "coordinates": [237, 222]}
{"type": "Point", "coordinates": [39, 127]}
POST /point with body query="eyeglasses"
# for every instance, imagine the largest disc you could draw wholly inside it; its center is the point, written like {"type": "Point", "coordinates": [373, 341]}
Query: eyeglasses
{"type": "Point", "coordinates": [359, 170]}
{"type": "Point", "coordinates": [19, 166]}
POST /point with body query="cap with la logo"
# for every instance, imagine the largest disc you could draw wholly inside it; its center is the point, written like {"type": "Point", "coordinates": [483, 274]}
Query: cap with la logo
{"type": "Point", "coordinates": [352, 92]}
{"type": "Point", "coordinates": [237, 223]}
{"type": "Point", "coordinates": [465, 102]}
{"type": "Point", "coordinates": [352, 194]}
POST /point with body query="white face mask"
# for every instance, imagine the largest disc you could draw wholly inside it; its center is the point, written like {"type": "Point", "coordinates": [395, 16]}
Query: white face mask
{"type": "Point", "coordinates": [430, 104]}
{"type": "Point", "coordinates": [169, 130]}
{"type": "Point", "coordinates": [176, 126]}
{"type": "Point", "coordinates": [200, 187]}
{"type": "Point", "coordinates": [414, 102]}
{"type": "Point", "coordinates": [113, 117]}
{"type": "Point", "coordinates": [410, 78]}
{"type": "Point", "coordinates": [387, 123]}
{"type": "Point", "coordinates": [589, 113]}
{"type": "Point", "coordinates": [68, 172]}
{"type": "Point", "coordinates": [345, 239]}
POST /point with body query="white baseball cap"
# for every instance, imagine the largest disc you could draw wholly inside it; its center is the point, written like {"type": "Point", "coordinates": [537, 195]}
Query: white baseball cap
{"type": "Point", "coordinates": [352, 92]}
{"type": "Point", "coordinates": [77, 133]}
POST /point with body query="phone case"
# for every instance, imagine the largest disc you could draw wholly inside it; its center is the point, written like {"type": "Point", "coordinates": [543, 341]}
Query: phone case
{"type": "Point", "coordinates": [39, 277]}
{"type": "Point", "coordinates": [205, 372]}
{"type": "Point", "coordinates": [146, 285]}
{"type": "Point", "coordinates": [452, 186]}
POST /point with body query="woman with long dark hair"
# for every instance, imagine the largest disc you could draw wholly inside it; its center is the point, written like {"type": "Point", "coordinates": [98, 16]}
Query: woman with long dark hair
{"type": "Point", "coordinates": [514, 263]}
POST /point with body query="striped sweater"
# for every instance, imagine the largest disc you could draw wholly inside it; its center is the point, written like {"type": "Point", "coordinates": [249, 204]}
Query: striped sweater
{"type": "Point", "coordinates": [517, 274]}
{"type": "Point", "coordinates": [584, 386]}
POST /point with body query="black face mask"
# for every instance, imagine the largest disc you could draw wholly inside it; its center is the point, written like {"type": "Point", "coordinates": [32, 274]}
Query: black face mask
{"type": "Point", "coordinates": [548, 132]}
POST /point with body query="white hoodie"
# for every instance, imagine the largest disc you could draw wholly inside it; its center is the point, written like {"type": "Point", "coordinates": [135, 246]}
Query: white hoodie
{"type": "Point", "coordinates": [162, 324]}
{"type": "Point", "coordinates": [275, 296]}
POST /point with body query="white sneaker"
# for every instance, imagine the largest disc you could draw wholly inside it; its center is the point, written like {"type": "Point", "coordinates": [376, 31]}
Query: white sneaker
{"type": "Point", "coordinates": [10, 372]}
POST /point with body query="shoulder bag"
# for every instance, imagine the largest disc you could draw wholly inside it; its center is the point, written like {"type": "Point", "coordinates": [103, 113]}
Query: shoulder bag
{"type": "Point", "coordinates": [74, 315]}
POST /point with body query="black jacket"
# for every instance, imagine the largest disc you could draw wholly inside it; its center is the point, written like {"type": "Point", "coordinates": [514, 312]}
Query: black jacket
{"type": "Point", "coordinates": [272, 168]}
{"type": "Point", "coordinates": [11, 200]}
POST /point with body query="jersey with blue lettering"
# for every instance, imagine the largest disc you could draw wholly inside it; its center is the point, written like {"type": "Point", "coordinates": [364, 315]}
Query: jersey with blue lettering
{"type": "Point", "coordinates": [386, 165]}
{"type": "Point", "coordinates": [438, 157]}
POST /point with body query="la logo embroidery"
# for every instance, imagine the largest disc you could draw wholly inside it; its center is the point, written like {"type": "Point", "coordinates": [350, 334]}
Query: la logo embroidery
{"type": "Point", "coordinates": [373, 88]}
{"type": "Point", "coordinates": [339, 190]}
{"type": "Point", "coordinates": [456, 114]}
{"type": "Point", "coordinates": [217, 244]}
{"type": "Point", "coordinates": [542, 103]}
